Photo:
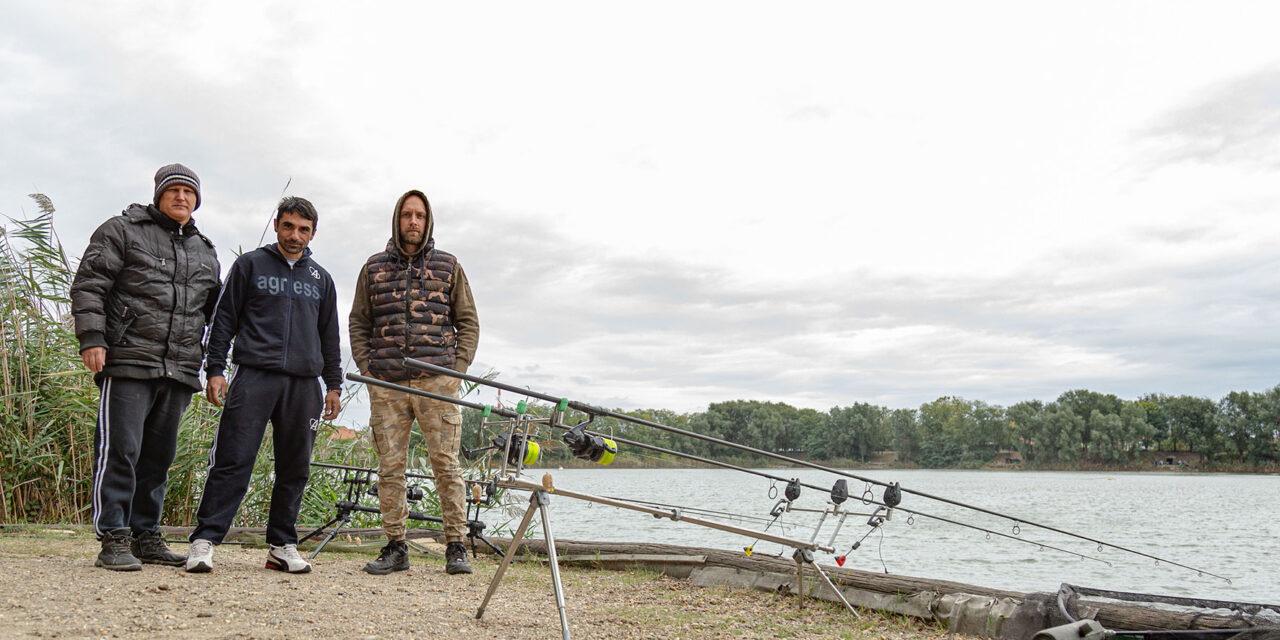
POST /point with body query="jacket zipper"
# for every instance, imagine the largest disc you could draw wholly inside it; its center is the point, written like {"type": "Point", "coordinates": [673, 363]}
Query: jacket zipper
{"type": "Point", "coordinates": [288, 320]}
{"type": "Point", "coordinates": [408, 297]}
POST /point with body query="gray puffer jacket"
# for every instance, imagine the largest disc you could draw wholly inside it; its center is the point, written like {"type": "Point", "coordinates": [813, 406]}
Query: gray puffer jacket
{"type": "Point", "coordinates": [146, 288]}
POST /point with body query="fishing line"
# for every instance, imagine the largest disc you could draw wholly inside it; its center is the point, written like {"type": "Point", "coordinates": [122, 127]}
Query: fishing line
{"type": "Point", "coordinates": [880, 550]}
{"type": "Point", "coordinates": [791, 483]}
{"type": "Point", "coordinates": [594, 411]}
{"type": "Point", "coordinates": [749, 549]}
{"type": "Point", "coordinates": [868, 501]}
{"type": "Point", "coordinates": [598, 411]}
{"type": "Point", "coordinates": [725, 514]}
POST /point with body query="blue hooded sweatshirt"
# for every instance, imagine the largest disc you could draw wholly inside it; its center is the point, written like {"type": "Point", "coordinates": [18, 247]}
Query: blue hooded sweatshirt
{"type": "Point", "coordinates": [283, 318]}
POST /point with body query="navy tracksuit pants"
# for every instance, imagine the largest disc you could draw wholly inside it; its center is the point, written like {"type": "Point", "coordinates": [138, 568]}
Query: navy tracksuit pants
{"type": "Point", "coordinates": [134, 444]}
{"type": "Point", "coordinates": [293, 406]}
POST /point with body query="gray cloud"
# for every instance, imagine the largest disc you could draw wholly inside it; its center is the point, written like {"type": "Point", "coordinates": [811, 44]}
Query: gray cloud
{"type": "Point", "coordinates": [1236, 122]}
{"type": "Point", "coordinates": [620, 327]}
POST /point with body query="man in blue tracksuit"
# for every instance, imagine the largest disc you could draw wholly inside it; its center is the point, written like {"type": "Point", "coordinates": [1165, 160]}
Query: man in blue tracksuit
{"type": "Point", "coordinates": [281, 309]}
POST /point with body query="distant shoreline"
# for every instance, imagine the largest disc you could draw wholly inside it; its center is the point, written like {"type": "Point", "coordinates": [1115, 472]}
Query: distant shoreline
{"type": "Point", "coordinates": [853, 465]}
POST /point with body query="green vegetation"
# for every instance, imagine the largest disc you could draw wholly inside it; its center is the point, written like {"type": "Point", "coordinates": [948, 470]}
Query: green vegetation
{"type": "Point", "coordinates": [1080, 430]}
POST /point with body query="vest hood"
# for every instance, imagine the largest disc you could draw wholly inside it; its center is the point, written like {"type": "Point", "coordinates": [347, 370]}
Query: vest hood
{"type": "Point", "coordinates": [427, 239]}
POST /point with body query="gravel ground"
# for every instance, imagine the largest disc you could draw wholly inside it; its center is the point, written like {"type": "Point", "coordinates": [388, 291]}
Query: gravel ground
{"type": "Point", "coordinates": [49, 588]}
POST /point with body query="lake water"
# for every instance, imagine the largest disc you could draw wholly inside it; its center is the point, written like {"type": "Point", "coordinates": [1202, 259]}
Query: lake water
{"type": "Point", "coordinates": [1223, 524]}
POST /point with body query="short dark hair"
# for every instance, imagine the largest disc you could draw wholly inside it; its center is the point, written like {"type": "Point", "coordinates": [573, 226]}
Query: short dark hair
{"type": "Point", "coordinates": [300, 206]}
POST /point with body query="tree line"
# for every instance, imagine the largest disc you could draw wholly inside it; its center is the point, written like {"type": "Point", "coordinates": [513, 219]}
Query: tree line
{"type": "Point", "coordinates": [1080, 429]}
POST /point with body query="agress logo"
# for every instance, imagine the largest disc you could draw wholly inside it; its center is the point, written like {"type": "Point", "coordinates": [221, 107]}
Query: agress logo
{"type": "Point", "coordinates": [280, 285]}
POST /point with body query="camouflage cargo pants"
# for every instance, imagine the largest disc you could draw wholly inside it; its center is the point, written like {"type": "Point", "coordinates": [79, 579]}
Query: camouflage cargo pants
{"type": "Point", "coordinates": [391, 419]}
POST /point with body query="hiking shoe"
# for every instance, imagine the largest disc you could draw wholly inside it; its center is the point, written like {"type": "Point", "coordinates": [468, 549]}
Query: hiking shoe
{"type": "Point", "coordinates": [149, 547]}
{"type": "Point", "coordinates": [200, 556]}
{"type": "Point", "coordinates": [455, 558]}
{"type": "Point", "coordinates": [286, 559]}
{"type": "Point", "coordinates": [115, 552]}
{"type": "Point", "coordinates": [394, 557]}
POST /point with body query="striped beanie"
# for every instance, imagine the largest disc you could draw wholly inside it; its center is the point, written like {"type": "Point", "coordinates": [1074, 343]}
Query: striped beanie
{"type": "Point", "coordinates": [176, 174]}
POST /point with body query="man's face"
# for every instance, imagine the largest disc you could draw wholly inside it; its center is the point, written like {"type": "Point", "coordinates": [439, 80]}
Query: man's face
{"type": "Point", "coordinates": [293, 234]}
{"type": "Point", "coordinates": [178, 202]}
{"type": "Point", "coordinates": [413, 220]}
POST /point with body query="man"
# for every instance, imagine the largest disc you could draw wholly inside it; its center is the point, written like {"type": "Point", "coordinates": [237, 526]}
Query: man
{"type": "Point", "coordinates": [413, 300]}
{"type": "Point", "coordinates": [145, 289]}
{"type": "Point", "coordinates": [281, 309]}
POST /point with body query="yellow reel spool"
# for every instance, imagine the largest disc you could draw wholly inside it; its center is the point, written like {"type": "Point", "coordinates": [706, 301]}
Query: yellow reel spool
{"type": "Point", "coordinates": [610, 450]}
{"type": "Point", "coordinates": [532, 452]}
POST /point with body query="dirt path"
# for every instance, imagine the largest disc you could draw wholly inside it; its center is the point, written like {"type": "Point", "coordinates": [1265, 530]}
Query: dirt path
{"type": "Point", "coordinates": [49, 588]}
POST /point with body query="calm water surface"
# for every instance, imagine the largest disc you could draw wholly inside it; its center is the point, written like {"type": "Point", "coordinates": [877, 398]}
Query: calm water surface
{"type": "Point", "coordinates": [1224, 524]}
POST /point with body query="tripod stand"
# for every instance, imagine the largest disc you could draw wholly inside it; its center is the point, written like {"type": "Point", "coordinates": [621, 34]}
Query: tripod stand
{"type": "Point", "coordinates": [538, 501]}
{"type": "Point", "coordinates": [539, 494]}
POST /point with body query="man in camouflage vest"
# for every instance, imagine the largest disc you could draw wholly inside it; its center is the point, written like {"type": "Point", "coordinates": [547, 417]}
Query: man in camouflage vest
{"type": "Point", "coordinates": [413, 300]}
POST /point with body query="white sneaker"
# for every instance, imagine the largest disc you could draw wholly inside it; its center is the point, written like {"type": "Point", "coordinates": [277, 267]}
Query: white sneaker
{"type": "Point", "coordinates": [286, 559]}
{"type": "Point", "coordinates": [200, 556]}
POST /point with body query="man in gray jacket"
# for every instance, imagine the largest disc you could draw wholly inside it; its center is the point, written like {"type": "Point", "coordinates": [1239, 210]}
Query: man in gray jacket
{"type": "Point", "coordinates": [142, 296]}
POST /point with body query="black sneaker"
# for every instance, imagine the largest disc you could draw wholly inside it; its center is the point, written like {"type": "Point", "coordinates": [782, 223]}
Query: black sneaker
{"type": "Point", "coordinates": [394, 557]}
{"type": "Point", "coordinates": [149, 547]}
{"type": "Point", "coordinates": [115, 552]}
{"type": "Point", "coordinates": [455, 558]}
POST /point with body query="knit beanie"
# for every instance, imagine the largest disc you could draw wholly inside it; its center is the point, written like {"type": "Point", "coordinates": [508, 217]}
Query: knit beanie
{"type": "Point", "coordinates": [176, 174]}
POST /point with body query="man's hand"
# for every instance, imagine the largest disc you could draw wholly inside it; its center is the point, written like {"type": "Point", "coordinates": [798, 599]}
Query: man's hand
{"type": "Point", "coordinates": [216, 390]}
{"type": "Point", "coordinates": [332, 402]}
{"type": "Point", "coordinates": [95, 358]}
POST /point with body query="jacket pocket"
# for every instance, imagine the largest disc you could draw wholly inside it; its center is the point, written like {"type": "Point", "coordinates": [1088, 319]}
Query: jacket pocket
{"type": "Point", "coordinates": [115, 335]}
{"type": "Point", "coordinates": [148, 254]}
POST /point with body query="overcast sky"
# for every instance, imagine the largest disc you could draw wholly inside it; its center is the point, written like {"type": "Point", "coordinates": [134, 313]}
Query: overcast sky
{"type": "Point", "coordinates": [673, 204]}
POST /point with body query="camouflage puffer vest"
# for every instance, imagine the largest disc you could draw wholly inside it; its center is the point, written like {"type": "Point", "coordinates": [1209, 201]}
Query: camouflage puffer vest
{"type": "Point", "coordinates": [410, 308]}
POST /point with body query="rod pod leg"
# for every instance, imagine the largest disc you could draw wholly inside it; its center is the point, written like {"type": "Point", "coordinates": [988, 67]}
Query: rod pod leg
{"type": "Point", "coordinates": [839, 594]}
{"type": "Point", "coordinates": [511, 551]}
{"type": "Point", "coordinates": [801, 556]}
{"type": "Point", "coordinates": [346, 520]}
{"type": "Point", "coordinates": [540, 497]}
{"type": "Point", "coordinates": [805, 556]}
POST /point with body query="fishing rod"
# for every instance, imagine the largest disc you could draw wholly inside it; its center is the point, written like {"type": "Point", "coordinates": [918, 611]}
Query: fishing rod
{"type": "Point", "coordinates": [727, 515]}
{"type": "Point", "coordinates": [864, 499]}
{"type": "Point", "coordinates": [507, 413]}
{"type": "Point", "coordinates": [599, 411]}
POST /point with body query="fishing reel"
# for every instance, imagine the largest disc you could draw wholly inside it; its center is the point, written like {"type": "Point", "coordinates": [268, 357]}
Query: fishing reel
{"type": "Point", "coordinates": [412, 493]}
{"type": "Point", "coordinates": [586, 446]}
{"type": "Point", "coordinates": [522, 451]}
